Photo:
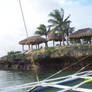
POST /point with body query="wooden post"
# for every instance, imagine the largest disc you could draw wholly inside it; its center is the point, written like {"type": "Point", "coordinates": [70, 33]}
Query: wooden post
{"type": "Point", "coordinates": [53, 43]}
{"type": "Point", "coordinates": [22, 47]}
{"type": "Point", "coordinates": [38, 46]}
{"type": "Point", "coordinates": [91, 40]}
{"type": "Point", "coordinates": [29, 47]}
{"type": "Point", "coordinates": [46, 44]}
{"type": "Point", "coordinates": [60, 43]}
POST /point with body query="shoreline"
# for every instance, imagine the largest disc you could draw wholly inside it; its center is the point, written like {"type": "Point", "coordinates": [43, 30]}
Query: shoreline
{"type": "Point", "coordinates": [49, 59]}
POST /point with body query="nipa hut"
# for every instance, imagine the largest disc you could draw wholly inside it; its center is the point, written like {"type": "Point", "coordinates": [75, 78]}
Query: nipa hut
{"type": "Point", "coordinates": [82, 35]}
{"type": "Point", "coordinates": [33, 40]}
{"type": "Point", "coordinates": [52, 36]}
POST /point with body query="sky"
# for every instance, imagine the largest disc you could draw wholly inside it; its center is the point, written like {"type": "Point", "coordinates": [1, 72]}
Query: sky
{"type": "Point", "coordinates": [36, 12]}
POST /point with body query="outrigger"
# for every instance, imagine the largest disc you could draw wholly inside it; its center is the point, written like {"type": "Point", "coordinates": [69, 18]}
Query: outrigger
{"type": "Point", "coordinates": [59, 83]}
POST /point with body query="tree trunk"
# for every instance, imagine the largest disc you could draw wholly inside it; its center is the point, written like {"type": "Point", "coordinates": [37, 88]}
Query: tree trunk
{"type": "Point", "coordinates": [63, 39]}
{"type": "Point", "coordinates": [46, 37]}
{"type": "Point", "coordinates": [67, 41]}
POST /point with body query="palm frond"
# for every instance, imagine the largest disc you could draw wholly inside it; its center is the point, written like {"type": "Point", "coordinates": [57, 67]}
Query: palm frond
{"type": "Point", "coordinates": [62, 14]}
{"type": "Point", "coordinates": [66, 19]}
{"type": "Point", "coordinates": [38, 32]}
{"type": "Point", "coordinates": [53, 21]}
{"type": "Point", "coordinates": [72, 29]}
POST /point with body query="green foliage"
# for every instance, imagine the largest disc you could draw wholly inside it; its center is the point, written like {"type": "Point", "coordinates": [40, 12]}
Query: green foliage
{"type": "Point", "coordinates": [87, 46]}
{"type": "Point", "coordinates": [57, 44]}
{"type": "Point", "coordinates": [12, 53]}
{"type": "Point", "coordinates": [84, 47]}
{"type": "Point", "coordinates": [50, 48]}
{"type": "Point", "coordinates": [42, 30]}
{"type": "Point", "coordinates": [57, 19]}
{"type": "Point", "coordinates": [60, 24]}
{"type": "Point", "coordinates": [55, 48]}
{"type": "Point", "coordinates": [41, 47]}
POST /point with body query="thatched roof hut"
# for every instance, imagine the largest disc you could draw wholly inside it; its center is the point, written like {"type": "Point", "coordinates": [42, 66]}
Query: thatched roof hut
{"type": "Point", "coordinates": [81, 33]}
{"type": "Point", "coordinates": [54, 36]}
{"type": "Point", "coordinates": [33, 40]}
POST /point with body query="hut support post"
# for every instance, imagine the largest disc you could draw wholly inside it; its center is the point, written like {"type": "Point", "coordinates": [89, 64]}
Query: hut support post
{"type": "Point", "coordinates": [38, 46]}
{"type": "Point", "coordinates": [22, 47]}
{"type": "Point", "coordinates": [29, 47]}
{"type": "Point", "coordinates": [91, 39]}
{"type": "Point", "coordinates": [63, 43]}
{"type": "Point", "coordinates": [46, 44]}
{"type": "Point", "coordinates": [53, 43]}
{"type": "Point", "coordinates": [60, 43]}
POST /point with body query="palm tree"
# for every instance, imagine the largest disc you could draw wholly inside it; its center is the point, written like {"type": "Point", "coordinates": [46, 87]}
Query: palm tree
{"type": "Point", "coordinates": [42, 30]}
{"type": "Point", "coordinates": [58, 22]}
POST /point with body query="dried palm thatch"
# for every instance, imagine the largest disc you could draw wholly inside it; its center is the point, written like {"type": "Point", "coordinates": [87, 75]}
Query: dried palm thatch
{"type": "Point", "coordinates": [33, 40]}
{"type": "Point", "coordinates": [22, 42]}
{"type": "Point", "coordinates": [81, 33]}
{"type": "Point", "coordinates": [54, 36]}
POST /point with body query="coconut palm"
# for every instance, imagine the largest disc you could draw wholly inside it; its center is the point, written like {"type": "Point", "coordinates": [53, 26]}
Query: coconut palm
{"type": "Point", "coordinates": [42, 30]}
{"type": "Point", "coordinates": [58, 22]}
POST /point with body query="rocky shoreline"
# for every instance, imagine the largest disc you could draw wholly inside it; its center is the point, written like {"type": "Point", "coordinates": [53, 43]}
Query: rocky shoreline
{"type": "Point", "coordinates": [55, 59]}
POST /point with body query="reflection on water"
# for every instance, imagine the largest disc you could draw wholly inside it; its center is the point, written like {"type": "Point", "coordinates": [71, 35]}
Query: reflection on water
{"type": "Point", "coordinates": [12, 78]}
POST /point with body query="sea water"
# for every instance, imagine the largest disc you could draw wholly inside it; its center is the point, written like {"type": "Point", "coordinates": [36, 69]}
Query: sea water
{"type": "Point", "coordinates": [9, 78]}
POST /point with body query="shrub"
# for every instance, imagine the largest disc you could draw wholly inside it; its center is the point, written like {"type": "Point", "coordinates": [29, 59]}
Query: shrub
{"type": "Point", "coordinates": [12, 53]}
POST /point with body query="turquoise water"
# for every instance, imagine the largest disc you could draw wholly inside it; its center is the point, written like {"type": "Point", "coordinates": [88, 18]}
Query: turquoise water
{"type": "Point", "coordinates": [12, 78]}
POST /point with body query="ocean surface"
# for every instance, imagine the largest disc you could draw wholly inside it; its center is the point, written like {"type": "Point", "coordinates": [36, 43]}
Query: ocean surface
{"type": "Point", "coordinates": [9, 78]}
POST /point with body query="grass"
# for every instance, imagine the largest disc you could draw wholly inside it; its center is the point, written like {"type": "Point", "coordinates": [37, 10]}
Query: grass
{"type": "Point", "coordinates": [12, 53]}
{"type": "Point", "coordinates": [88, 46]}
{"type": "Point", "coordinates": [55, 48]}
{"type": "Point", "coordinates": [48, 49]}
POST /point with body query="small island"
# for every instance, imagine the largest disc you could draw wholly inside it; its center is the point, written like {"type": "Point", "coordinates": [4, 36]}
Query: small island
{"type": "Point", "coordinates": [74, 47]}
{"type": "Point", "coordinates": [50, 58]}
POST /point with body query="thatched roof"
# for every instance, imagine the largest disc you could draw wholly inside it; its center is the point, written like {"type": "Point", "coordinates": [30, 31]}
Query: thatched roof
{"type": "Point", "coordinates": [33, 40]}
{"type": "Point", "coordinates": [22, 42]}
{"type": "Point", "coordinates": [54, 36]}
{"type": "Point", "coordinates": [81, 33]}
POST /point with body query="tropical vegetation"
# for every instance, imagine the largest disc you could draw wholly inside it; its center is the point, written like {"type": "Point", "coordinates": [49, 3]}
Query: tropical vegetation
{"type": "Point", "coordinates": [12, 53]}
{"type": "Point", "coordinates": [42, 30]}
{"type": "Point", "coordinates": [59, 23]}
